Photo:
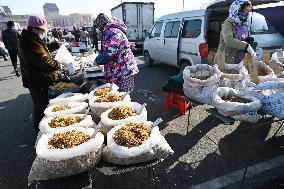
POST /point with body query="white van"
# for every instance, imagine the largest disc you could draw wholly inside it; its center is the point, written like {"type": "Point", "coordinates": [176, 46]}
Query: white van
{"type": "Point", "coordinates": [186, 38]}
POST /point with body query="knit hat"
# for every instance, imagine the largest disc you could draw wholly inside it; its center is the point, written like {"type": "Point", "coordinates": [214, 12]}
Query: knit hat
{"type": "Point", "coordinates": [234, 10]}
{"type": "Point", "coordinates": [101, 20]}
{"type": "Point", "coordinates": [37, 22]}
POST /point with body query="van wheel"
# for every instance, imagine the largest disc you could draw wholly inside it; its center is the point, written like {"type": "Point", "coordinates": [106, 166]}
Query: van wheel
{"type": "Point", "coordinates": [148, 59]}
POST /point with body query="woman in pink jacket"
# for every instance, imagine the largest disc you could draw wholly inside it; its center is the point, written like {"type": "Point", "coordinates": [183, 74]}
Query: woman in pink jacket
{"type": "Point", "coordinates": [119, 62]}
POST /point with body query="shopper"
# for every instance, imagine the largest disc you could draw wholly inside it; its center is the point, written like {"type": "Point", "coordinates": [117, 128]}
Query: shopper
{"type": "Point", "coordinates": [119, 63]}
{"type": "Point", "coordinates": [38, 66]}
{"type": "Point", "coordinates": [76, 33]}
{"type": "Point", "coordinates": [84, 36]}
{"type": "Point", "coordinates": [234, 32]}
{"type": "Point", "coordinates": [95, 39]}
{"type": "Point", "coordinates": [55, 33]}
{"type": "Point", "coordinates": [10, 38]}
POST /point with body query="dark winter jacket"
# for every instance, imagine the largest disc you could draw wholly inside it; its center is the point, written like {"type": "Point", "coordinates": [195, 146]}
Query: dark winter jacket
{"type": "Point", "coordinates": [10, 38]}
{"type": "Point", "coordinates": [38, 67]}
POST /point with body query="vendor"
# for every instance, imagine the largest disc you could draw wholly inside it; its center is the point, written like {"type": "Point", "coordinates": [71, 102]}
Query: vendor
{"type": "Point", "coordinates": [38, 67]}
{"type": "Point", "coordinates": [234, 32]}
{"type": "Point", "coordinates": [119, 62]}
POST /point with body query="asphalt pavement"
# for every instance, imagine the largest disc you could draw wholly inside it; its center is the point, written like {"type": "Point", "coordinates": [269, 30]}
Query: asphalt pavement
{"type": "Point", "coordinates": [208, 154]}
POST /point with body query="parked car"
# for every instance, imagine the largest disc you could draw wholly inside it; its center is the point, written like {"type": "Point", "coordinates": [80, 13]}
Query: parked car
{"type": "Point", "coordinates": [186, 38]}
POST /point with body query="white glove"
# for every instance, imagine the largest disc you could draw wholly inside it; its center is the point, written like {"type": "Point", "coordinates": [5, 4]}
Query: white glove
{"type": "Point", "coordinates": [252, 53]}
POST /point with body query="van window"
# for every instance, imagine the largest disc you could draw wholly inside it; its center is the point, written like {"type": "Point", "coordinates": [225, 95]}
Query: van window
{"type": "Point", "coordinates": [191, 28]}
{"type": "Point", "coordinates": [156, 31]}
{"type": "Point", "coordinates": [172, 29]}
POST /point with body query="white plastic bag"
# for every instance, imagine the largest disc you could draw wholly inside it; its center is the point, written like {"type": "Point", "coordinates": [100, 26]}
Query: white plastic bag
{"type": "Point", "coordinates": [97, 108]}
{"type": "Point", "coordinates": [228, 108]}
{"type": "Point", "coordinates": [64, 56]}
{"type": "Point", "coordinates": [85, 122]}
{"type": "Point", "coordinates": [76, 108]}
{"type": "Point", "coordinates": [269, 74]}
{"type": "Point", "coordinates": [107, 124]}
{"type": "Point", "coordinates": [155, 147]}
{"type": "Point", "coordinates": [114, 88]}
{"type": "Point", "coordinates": [271, 95]}
{"type": "Point", "coordinates": [236, 81]}
{"type": "Point", "coordinates": [56, 163]}
{"type": "Point", "coordinates": [67, 98]}
{"type": "Point", "coordinates": [201, 90]}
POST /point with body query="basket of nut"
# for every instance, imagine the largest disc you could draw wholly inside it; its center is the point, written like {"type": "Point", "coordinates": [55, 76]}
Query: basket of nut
{"type": "Point", "coordinates": [68, 97]}
{"type": "Point", "coordinates": [66, 109]}
{"type": "Point", "coordinates": [135, 142]}
{"type": "Point", "coordinates": [55, 123]}
{"type": "Point", "coordinates": [66, 153]}
{"type": "Point", "coordinates": [63, 87]}
{"type": "Point", "coordinates": [231, 102]}
{"type": "Point", "coordinates": [234, 76]}
{"type": "Point", "coordinates": [118, 115]}
{"type": "Point", "coordinates": [103, 90]}
{"type": "Point", "coordinates": [100, 104]}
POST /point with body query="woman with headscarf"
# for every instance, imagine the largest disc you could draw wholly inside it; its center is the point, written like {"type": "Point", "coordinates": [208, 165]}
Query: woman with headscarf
{"type": "Point", "coordinates": [119, 63]}
{"type": "Point", "coordinates": [234, 32]}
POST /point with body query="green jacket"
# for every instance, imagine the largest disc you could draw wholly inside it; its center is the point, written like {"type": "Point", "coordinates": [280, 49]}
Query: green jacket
{"type": "Point", "coordinates": [228, 43]}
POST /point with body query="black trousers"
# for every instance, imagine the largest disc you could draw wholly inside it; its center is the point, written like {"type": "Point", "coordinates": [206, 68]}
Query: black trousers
{"type": "Point", "coordinates": [40, 100]}
{"type": "Point", "coordinates": [13, 56]}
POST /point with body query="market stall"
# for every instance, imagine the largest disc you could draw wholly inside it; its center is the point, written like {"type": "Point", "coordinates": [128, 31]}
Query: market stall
{"type": "Point", "coordinates": [89, 124]}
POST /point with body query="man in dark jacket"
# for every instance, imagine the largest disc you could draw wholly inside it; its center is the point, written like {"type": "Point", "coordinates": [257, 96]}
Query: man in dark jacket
{"type": "Point", "coordinates": [95, 38]}
{"type": "Point", "coordinates": [38, 67]}
{"type": "Point", "coordinates": [10, 38]}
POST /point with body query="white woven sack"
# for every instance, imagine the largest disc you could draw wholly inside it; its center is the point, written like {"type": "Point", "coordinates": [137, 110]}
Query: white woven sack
{"type": "Point", "coordinates": [201, 90]}
{"type": "Point", "coordinates": [85, 122]}
{"type": "Point", "coordinates": [114, 89]}
{"type": "Point", "coordinates": [107, 124]}
{"type": "Point", "coordinates": [234, 108]}
{"type": "Point", "coordinates": [76, 108]}
{"type": "Point", "coordinates": [56, 163]}
{"type": "Point", "coordinates": [277, 67]}
{"type": "Point", "coordinates": [66, 98]}
{"type": "Point", "coordinates": [97, 108]}
{"type": "Point", "coordinates": [271, 95]}
{"type": "Point", "coordinates": [236, 81]}
{"type": "Point", "coordinates": [155, 147]}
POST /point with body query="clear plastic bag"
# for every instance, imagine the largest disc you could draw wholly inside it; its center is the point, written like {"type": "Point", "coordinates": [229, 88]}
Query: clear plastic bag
{"type": "Point", "coordinates": [155, 147]}
{"type": "Point", "coordinates": [85, 122]}
{"type": "Point", "coordinates": [56, 163]}
{"type": "Point", "coordinates": [107, 124]}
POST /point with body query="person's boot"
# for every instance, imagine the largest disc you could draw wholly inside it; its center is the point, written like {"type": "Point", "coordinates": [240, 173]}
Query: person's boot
{"type": "Point", "coordinates": [17, 73]}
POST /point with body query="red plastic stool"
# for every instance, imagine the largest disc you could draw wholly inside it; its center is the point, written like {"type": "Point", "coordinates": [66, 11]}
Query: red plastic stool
{"type": "Point", "coordinates": [174, 100]}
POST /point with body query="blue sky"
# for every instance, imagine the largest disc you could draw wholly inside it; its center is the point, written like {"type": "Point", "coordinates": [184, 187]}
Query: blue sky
{"type": "Point", "coordinates": [96, 6]}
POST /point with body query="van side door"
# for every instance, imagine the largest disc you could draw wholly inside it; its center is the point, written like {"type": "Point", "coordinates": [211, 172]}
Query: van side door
{"type": "Point", "coordinates": [170, 41]}
{"type": "Point", "coordinates": [191, 41]}
{"type": "Point", "coordinates": [153, 44]}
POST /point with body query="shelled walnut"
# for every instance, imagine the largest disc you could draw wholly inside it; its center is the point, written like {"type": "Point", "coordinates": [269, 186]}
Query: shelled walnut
{"type": "Point", "coordinates": [60, 108]}
{"type": "Point", "coordinates": [67, 140]}
{"type": "Point", "coordinates": [60, 121]}
{"type": "Point", "coordinates": [102, 91]}
{"type": "Point", "coordinates": [121, 112]}
{"type": "Point", "coordinates": [132, 134]}
{"type": "Point", "coordinates": [109, 98]}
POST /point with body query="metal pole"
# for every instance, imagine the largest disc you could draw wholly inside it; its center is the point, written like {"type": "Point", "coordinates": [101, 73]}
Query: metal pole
{"type": "Point", "coordinates": [182, 5]}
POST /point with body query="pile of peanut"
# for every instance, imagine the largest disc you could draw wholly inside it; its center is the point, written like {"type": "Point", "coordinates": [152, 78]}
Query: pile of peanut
{"type": "Point", "coordinates": [60, 108]}
{"type": "Point", "coordinates": [67, 140]}
{"type": "Point", "coordinates": [109, 98]}
{"type": "Point", "coordinates": [121, 112]}
{"type": "Point", "coordinates": [60, 121]}
{"type": "Point", "coordinates": [132, 134]}
{"type": "Point", "coordinates": [102, 91]}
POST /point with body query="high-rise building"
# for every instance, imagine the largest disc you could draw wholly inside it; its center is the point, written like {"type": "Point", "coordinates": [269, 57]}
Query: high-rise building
{"type": "Point", "coordinates": [7, 10]}
{"type": "Point", "coordinates": [50, 10]}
